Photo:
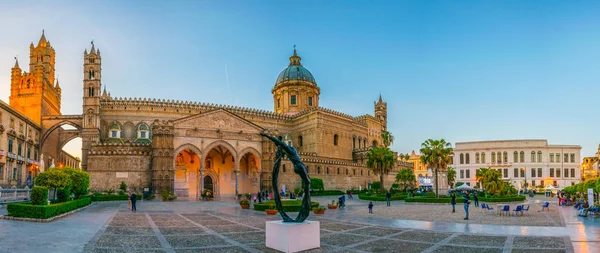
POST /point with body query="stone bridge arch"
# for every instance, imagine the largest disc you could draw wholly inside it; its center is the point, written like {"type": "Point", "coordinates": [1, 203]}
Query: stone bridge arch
{"type": "Point", "coordinates": [51, 140]}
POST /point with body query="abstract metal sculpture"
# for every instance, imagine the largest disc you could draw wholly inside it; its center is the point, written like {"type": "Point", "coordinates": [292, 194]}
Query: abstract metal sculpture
{"type": "Point", "coordinates": [300, 169]}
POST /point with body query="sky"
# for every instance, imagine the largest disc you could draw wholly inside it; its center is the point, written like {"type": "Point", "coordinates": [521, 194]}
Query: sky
{"type": "Point", "coordinates": [458, 70]}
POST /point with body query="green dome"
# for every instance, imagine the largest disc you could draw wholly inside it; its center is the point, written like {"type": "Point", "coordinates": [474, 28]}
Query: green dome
{"type": "Point", "coordinates": [295, 71]}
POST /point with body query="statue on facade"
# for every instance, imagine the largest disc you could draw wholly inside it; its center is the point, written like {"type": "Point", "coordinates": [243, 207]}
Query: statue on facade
{"type": "Point", "coordinates": [42, 165]}
{"type": "Point", "coordinates": [52, 163]}
{"type": "Point", "coordinates": [300, 169]}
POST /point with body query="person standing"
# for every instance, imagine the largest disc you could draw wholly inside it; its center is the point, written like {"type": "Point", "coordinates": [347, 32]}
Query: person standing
{"type": "Point", "coordinates": [388, 196]}
{"type": "Point", "coordinates": [371, 207]}
{"type": "Point", "coordinates": [133, 198]}
{"type": "Point", "coordinates": [476, 199]}
{"type": "Point", "coordinates": [453, 202]}
{"type": "Point", "coordinates": [467, 201]}
{"type": "Point", "coordinates": [128, 200]}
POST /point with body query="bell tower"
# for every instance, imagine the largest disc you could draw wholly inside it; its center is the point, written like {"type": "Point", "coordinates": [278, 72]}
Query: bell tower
{"type": "Point", "coordinates": [91, 101]}
{"type": "Point", "coordinates": [381, 112]}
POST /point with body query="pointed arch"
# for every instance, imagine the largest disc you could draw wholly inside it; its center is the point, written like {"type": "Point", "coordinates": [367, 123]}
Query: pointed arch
{"type": "Point", "coordinates": [225, 144]}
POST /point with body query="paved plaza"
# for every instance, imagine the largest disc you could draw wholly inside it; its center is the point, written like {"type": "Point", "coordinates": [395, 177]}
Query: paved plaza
{"type": "Point", "coordinates": [221, 226]}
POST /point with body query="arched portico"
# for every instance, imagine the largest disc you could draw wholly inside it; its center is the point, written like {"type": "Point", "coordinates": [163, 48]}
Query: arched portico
{"type": "Point", "coordinates": [186, 163]}
{"type": "Point", "coordinates": [220, 160]}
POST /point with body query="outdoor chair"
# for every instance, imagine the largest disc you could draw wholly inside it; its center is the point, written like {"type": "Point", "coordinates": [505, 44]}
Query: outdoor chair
{"type": "Point", "coordinates": [525, 209]}
{"type": "Point", "coordinates": [489, 208]}
{"type": "Point", "coordinates": [593, 211]}
{"type": "Point", "coordinates": [483, 206]}
{"type": "Point", "coordinates": [519, 209]}
{"type": "Point", "coordinates": [546, 205]}
{"type": "Point", "coordinates": [505, 209]}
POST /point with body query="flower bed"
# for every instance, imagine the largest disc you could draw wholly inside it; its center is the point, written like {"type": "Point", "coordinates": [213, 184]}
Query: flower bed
{"type": "Point", "coordinates": [288, 205]}
{"type": "Point", "coordinates": [460, 200]}
{"type": "Point", "coordinates": [27, 210]}
{"type": "Point", "coordinates": [113, 197]}
{"type": "Point", "coordinates": [380, 197]}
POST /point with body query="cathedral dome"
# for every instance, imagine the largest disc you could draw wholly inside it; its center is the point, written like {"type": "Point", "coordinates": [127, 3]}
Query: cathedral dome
{"type": "Point", "coordinates": [295, 71]}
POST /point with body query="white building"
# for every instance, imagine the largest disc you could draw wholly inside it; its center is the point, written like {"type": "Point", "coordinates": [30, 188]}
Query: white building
{"type": "Point", "coordinates": [519, 161]}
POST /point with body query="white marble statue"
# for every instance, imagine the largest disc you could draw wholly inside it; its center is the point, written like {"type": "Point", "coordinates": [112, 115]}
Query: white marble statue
{"type": "Point", "coordinates": [42, 167]}
{"type": "Point", "coordinates": [52, 163]}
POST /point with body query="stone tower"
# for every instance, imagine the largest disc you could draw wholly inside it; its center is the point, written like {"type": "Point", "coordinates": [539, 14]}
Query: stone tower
{"type": "Point", "coordinates": [163, 172]}
{"type": "Point", "coordinates": [295, 89]}
{"type": "Point", "coordinates": [37, 93]}
{"type": "Point", "coordinates": [381, 112]}
{"type": "Point", "coordinates": [91, 101]}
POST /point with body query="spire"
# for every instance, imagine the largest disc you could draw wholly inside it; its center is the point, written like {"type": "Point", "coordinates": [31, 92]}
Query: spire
{"type": "Point", "coordinates": [43, 40]}
{"type": "Point", "coordinates": [57, 86]}
{"type": "Point", "coordinates": [16, 63]}
{"type": "Point", "coordinates": [380, 100]}
{"type": "Point", "coordinates": [92, 51]}
{"type": "Point", "coordinates": [104, 92]}
{"type": "Point", "coordinates": [295, 59]}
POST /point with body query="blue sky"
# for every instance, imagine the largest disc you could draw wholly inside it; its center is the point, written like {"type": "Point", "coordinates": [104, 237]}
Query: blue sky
{"type": "Point", "coordinates": [459, 70]}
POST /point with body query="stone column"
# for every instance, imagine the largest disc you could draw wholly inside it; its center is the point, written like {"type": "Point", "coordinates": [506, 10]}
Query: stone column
{"type": "Point", "coordinates": [237, 189]}
{"type": "Point", "coordinates": [201, 183]}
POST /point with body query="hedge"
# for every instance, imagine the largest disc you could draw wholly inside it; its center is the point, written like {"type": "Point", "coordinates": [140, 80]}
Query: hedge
{"type": "Point", "coordinates": [460, 200]}
{"type": "Point", "coordinates": [39, 196]}
{"type": "Point", "coordinates": [27, 210]}
{"type": "Point", "coordinates": [288, 205]}
{"type": "Point", "coordinates": [113, 197]}
{"type": "Point", "coordinates": [380, 197]}
{"type": "Point", "coordinates": [326, 193]}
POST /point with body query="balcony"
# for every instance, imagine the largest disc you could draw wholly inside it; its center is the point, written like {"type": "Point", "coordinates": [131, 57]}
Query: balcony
{"type": "Point", "coordinates": [20, 159]}
{"type": "Point", "coordinates": [11, 156]}
{"type": "Point", "coordinates": [31, 161]}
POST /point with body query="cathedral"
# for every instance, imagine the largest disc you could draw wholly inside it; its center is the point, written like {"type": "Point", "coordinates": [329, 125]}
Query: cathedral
{"type": "Point", "coordinates": [190, 147]}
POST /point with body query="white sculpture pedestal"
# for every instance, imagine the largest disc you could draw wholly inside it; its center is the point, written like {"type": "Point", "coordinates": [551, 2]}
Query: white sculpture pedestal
{"type": "Point", "coordinates": [293, 237]}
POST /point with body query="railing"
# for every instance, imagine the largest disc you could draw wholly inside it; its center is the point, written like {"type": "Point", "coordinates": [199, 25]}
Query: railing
{"type": "Point", "coordinates": [14, 195]}
{"type": "Point", "coordinates": [20, 158]}
{"type": "Point", "coordinates": [11, 155]}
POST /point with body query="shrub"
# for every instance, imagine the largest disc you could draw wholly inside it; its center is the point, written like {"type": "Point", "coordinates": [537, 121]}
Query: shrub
{"type": "Point", "coordinates": [164, 194]}
{"type": "Point", "coordinates": [27, 210]}
{"type": "Point", "coordinates": [316, 184]}
{"type": "Point", "coordinates": [80, 181]}
{"type": "Point", "coordinates": [395, 186]}
{"type": "Point", "coordinates": [430, 194]}
{"type": "Point", "coordinates": [39, 196]}
{"type": "Point", "coordinates": [123, 187]}
{"type": "Point", "coordinates": [376, 185]}
{"type": "Point", "coordinates": [326, 193]}
{"type": "Point", "coordinates": [288, 206]}
{"type": "Point", "coordinates": [63, 194]}
{"type": "Point", "coordinates": [244, 202]}
{"type": "Point", "coordinates": [380, 197]}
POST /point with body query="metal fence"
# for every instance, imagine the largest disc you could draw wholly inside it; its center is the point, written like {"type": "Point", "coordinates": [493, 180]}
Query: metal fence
{"type": "Point", "coordinates": [14, 195]}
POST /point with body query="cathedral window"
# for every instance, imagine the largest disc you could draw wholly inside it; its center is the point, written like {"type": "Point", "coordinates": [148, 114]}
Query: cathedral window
{"type": "Point", "coordinates": [353, 142]}
{"type": "Point", "coordinates": [374, 143]}
{"type": "Point", "coordinates": [335, 139]}
{"type": "Point", "coordinates": [115, 130]}
{"type": "Point", "coordinates": [143, 131]}
{"type": "Point", "coordinates": [300, 141]}
{"type": "Point", "coordinates": [318, 170]}
{"type": "Point", "coordinates": [309, 101]}
{"type": "Point", "coordinates": [327, 170]}
{"type": "Point", "coordinates": [346, 172]}
{"type": "Point", "coordinates": [364, 143]}
{"type": "Point", "coordinates": [293, 100]}
{"type": "Point", "coordinates": [338, 171]}
{"type": "Point", "coordinates": [278, 103]}
{"type": "Point", "coordinates": [284, 168]}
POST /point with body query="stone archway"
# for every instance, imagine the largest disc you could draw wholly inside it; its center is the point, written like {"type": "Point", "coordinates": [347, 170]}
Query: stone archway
{"type": "Point", "coordinates": [186, 167]}
{"type": "Point", "coordinates": [54, 137]}
{"type": "Point", "coordinates": [250, 172]}
{"type": "Point", "coordinates": [220, 161]}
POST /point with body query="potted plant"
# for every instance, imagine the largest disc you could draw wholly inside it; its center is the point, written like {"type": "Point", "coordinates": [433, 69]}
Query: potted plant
{"type": "Point", "coordinates": [245, 204]}
{"type": "Point", "coordinates": [319, 210]}
{"type": "Point", "coordinates": [172, 197]}
{"type": "Point", "coordinates": [333, 205]}
{"type": "Point", "coordinates": [248, 196]}
{"type": "Point", "coordinates": [271, 210]}
{"type": "Point", "coordinates": [165, 195]}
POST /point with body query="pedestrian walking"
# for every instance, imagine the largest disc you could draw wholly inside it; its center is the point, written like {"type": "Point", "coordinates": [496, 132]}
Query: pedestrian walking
{"type": "Point", "coordinates": [453, 202]}
{"type": "Point", "coordinates": [133, 198]}
{"type": "Point", "coordinates": [388, 196]}
{"type": "Point", "coordinates": [371, 207]}
{"type": "Point", "coordinates": [476, 199]}
{"type": "Point", "coordinates": [467, 202]}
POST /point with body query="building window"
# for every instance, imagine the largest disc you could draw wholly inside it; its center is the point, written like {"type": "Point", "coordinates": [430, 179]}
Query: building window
{"type": "Point", "coordinates": [522, 157]}
{"type": "Point", "coordinates": [338, 171]}
{"type": "Point", "coordinates": [505, 157]}
{"type": "Point", "coordinates": [368, 173]}
{"type": "Point", "coordinates": [467, 158]}
{"type": "Point", "coordinates": [335, 139]}
{"type": "Point", "coordinates": [557, 157]}
{"type": "Point", "coordinates": [115, 130]}
{"type": "Point", "coordinates": [309, 101]}
{"type": "Point", "coordinates": [551, 172]}
{"type": "Point", "coordinates": [533, 183]}
{"type": "Point", "coordinates": [327, 170]}
{"type": "Point", "coordinates": [1, 169]}
{"type": "Point", "coordinates": [354, 143]}
{"type": "Point", "coordinates": [19, 148]}
{"type": "Point", "coordinates": [540, 172]}
{"type": "Point", "coordinates": [468, 173]}
{"type": "Point", "coordinates": [505, 173]}
{"type": "Point", "coordinates": [557, 172]}
{"type": "Point", "coordinates": [515, 157]}
{"type": "Point", "coordinates": [29, 152]}
{"type": "Point", "coordinates": [499, 157]}
{"type": "Point", "coordinates": [532, 156]}
{"type": "Point", "coordinates": [483, 157]}
{"type": "Point", "coordinates": [539, 156]}
{"type": "Point", "coordinates": [532, 172]}
{"type": "Point", "coordinates": [35, 155]}
{"type": "Point", "coordinates": [364, 143]}
{"type": "Point", "coordinates": [14, 177]}
{"type": "Point", "coordinates": [566, 158]}
{"type": "Point", "coordinates": [346, 172]}
{"type": "Point", "coordinates": [516, 172]}
{"type": "Point", "coordinates": [12, 123]}
{"type": "Point", "coordinates": [10, 145]}
{"type": "Point", "coordinates": [143, 131]}
{"type": "Point", "coordinates": [493, 157]}
{"type": "Point", "coordinates": [572, 172]}
{"type": "Point", "coordinates": [477, 158]}
{"type": "Point", "coordinates": [354, 172]}
{"type": "Point", "coordinates": [361, 172]}
{"type": "Point", "coordinates": [283, 168]}
{"type": "Point", "coordinates": [551, 157]}
{"type": "Point", "coordinates": [293, 100]}
{"type": "Point", "coordinates": [572, 157]}
{"type": "Point", "coordinates": [462, 174]}
{"type": "Point", "coordinates": [462, 158]}
{"type": "Point", "coordinates": [278, 103]}
{"type": "Point", "coordinates": [300, 141]}
{"type": "Point", "coordinates": [318, 170]}
{"type": "Point", "coordinates": [21, 128]}
{"type": "Point", "coordinates": [566, 172]}
{"type": "Point", "coordinates": [523, 172]}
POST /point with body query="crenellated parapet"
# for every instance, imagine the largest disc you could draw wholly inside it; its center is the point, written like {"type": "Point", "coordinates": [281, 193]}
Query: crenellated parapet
{"type": "Point", "coordinates": [124, 149]}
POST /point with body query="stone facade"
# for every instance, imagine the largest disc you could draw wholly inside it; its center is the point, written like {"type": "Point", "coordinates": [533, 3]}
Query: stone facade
{"type": "Point", "coordinates": [191, 147]}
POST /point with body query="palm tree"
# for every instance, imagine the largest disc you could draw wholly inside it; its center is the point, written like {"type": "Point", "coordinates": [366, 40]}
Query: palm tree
{"type": "Point", "coordinates": [479, 175]}
{"type": "Point", "coordinates": [436, 155]}
{"type": "Point", "coordinates": [492, 181]}
{"type": "Point", "coordinates": [380, 160]}
{"type": "Point", "coordinates": [451, 175]}
{"type": "Point", "coordinates": [406, 178]}
{"type": "Point", "coordinates": [387, 138]}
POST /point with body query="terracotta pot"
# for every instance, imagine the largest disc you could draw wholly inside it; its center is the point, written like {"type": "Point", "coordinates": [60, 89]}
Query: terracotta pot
{"type": "Point", "coordinates": [319, 211]}
{"type": "Point", "coordinates": [245, 206]}
{"type": "Point", "coordinates": [271, 212]}
{"type": "Point", "coordinates": [332, 207]}
{"type": "Point", "coordinates": [165, 200]}
{"type": "Point", "coordinates": [210, 198]}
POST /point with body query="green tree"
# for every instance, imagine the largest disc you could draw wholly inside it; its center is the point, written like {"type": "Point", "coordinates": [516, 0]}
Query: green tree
{"type": "Point", "coordinates": [406, 178]}
{"type": "Point", "coordinates": [492, 181]}
{"type": "Point", "coordinates": [380, 160]}
{"type": "Point", "coordinates": [387, 138]}
{"type": "Point", "coordinates": [53, 178]}
{"type": "Point", "coordinates": [436, 155]}
{"type": "Point", "coordinates": [451, 176]}
{"type": "Point", "coordinates": [80, 181]}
